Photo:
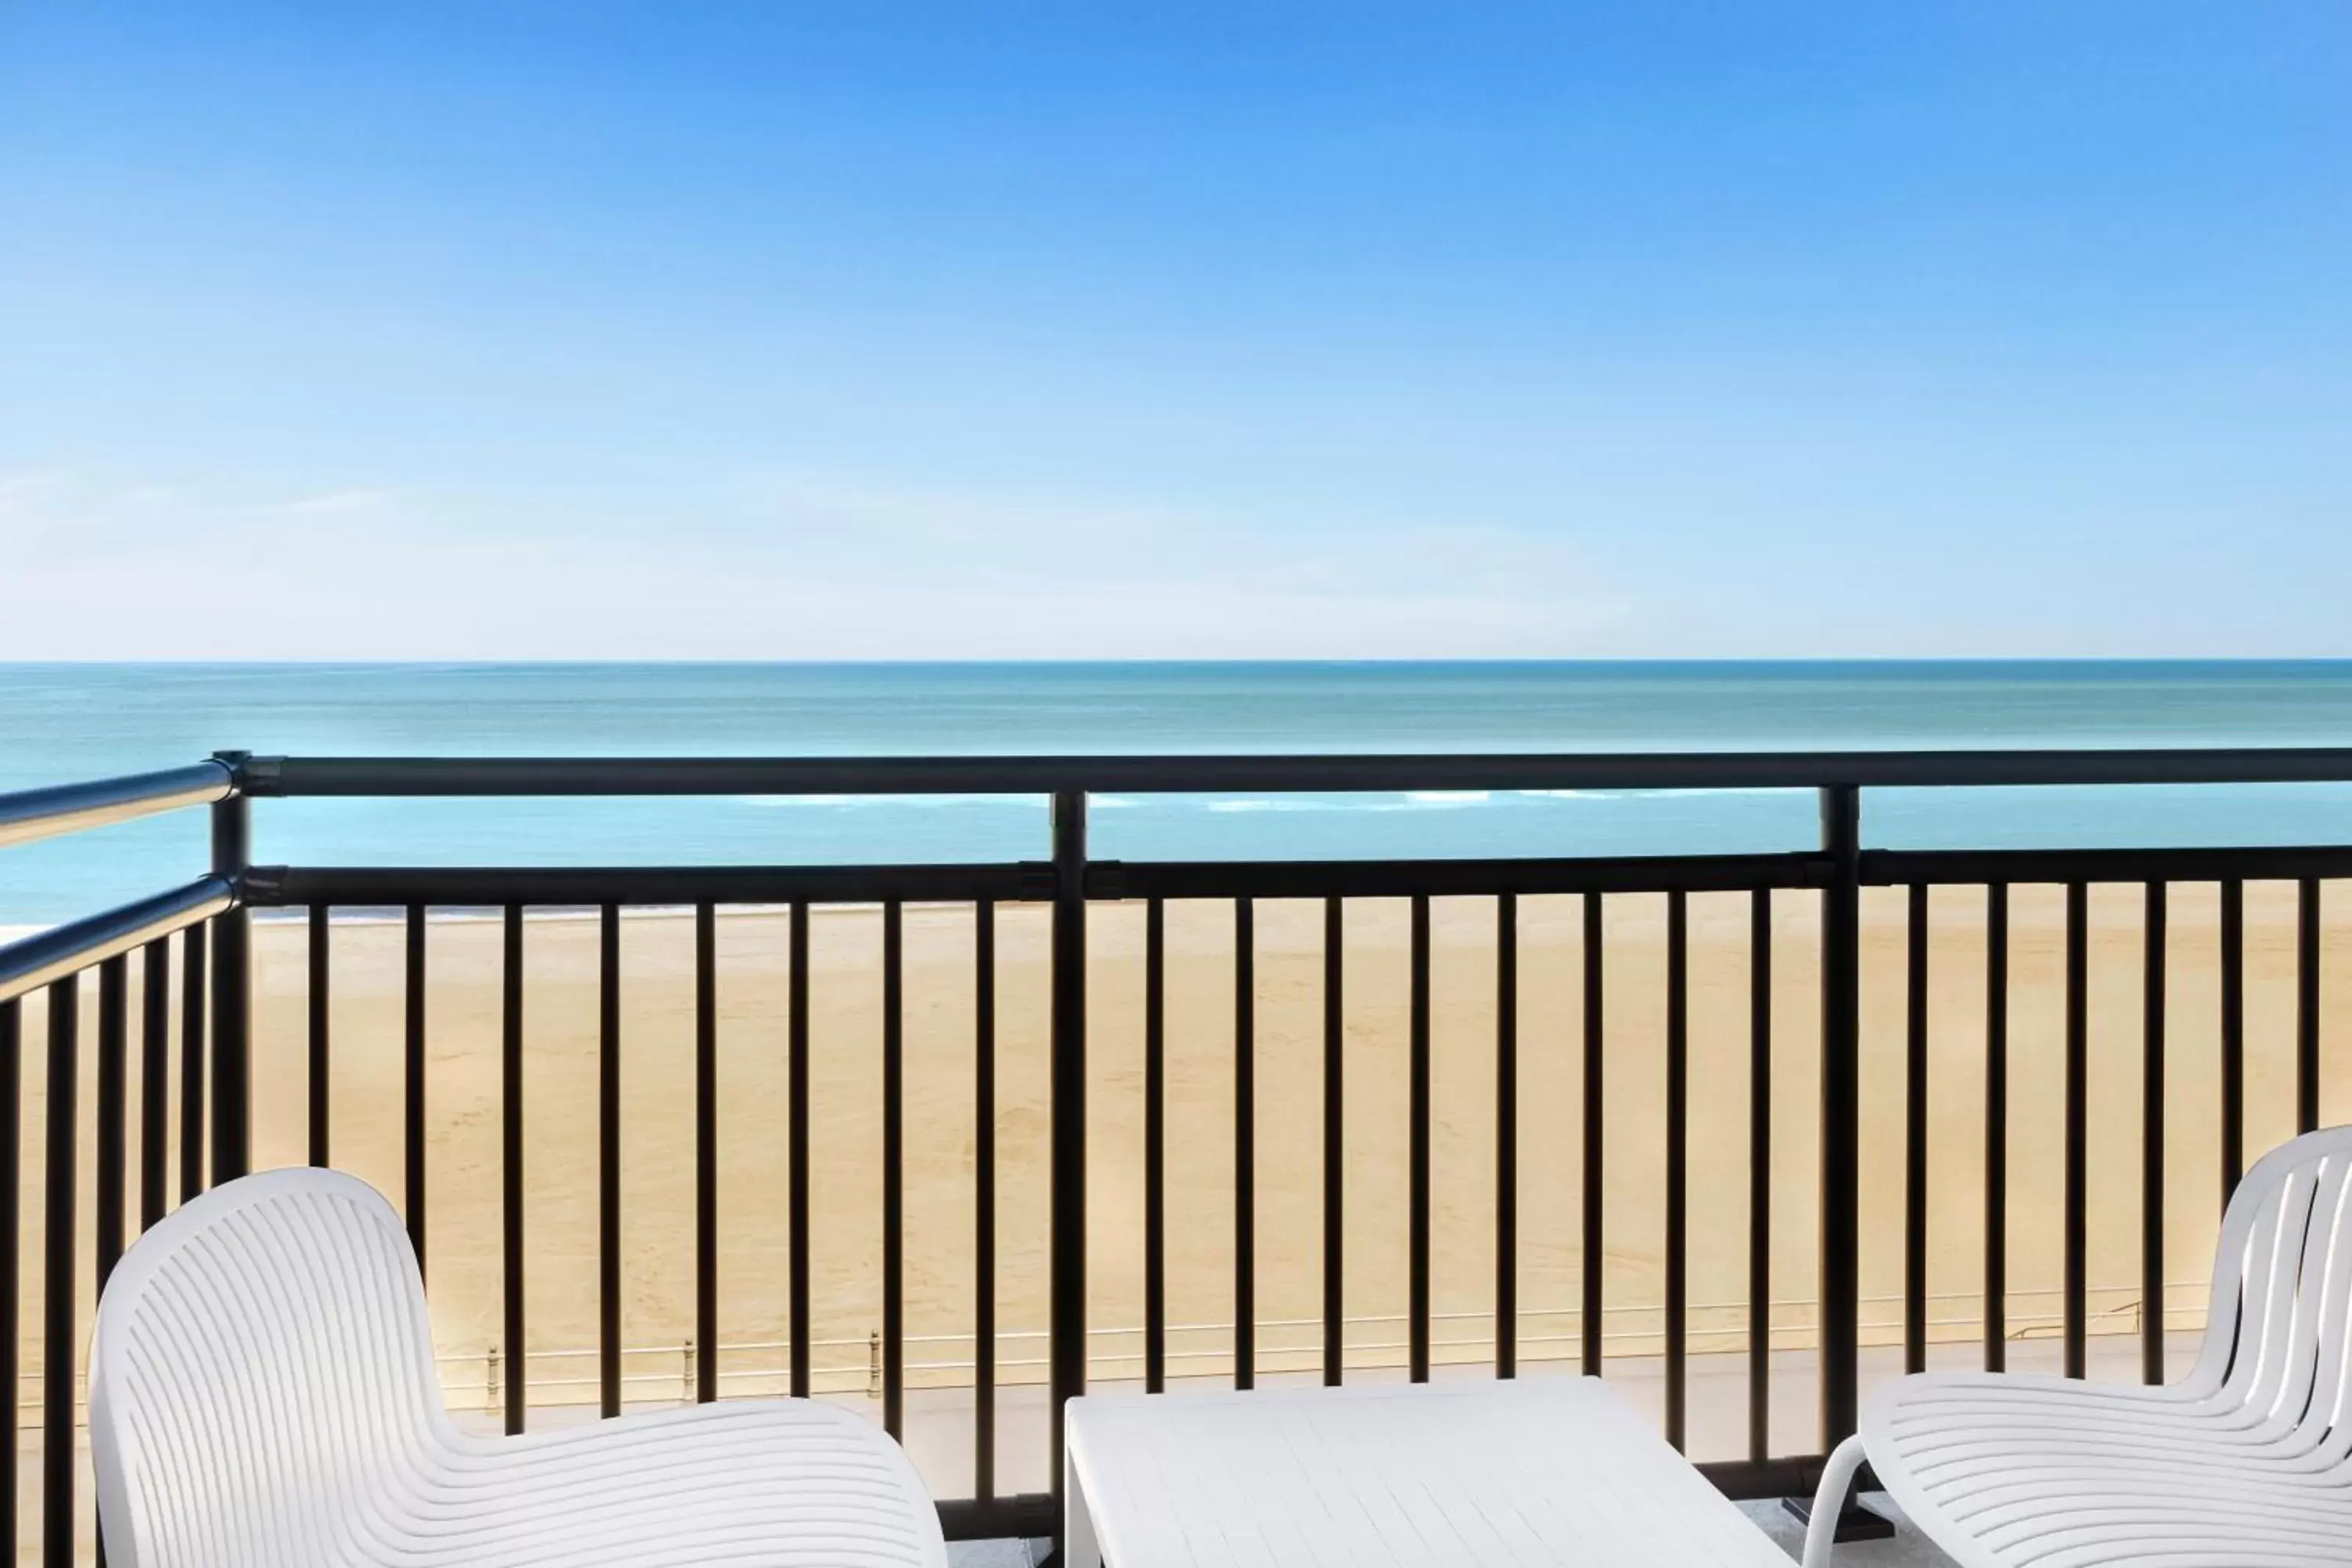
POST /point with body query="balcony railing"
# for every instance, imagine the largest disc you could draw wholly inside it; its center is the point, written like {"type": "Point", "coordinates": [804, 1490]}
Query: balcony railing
{"type": "Point", "coordinates": [189, 1053]}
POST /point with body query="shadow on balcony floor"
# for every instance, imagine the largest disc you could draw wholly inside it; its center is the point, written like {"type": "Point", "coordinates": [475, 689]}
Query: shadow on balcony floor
{"type": "Point", "coordinates": [1909, 1549]}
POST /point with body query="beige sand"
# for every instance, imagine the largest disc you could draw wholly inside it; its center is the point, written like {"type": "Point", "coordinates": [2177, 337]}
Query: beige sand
{"type": "Point", "coordinates": [463, 1110]}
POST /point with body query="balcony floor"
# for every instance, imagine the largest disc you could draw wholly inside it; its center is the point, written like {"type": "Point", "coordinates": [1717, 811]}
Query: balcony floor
{"type": "Point", "coordinates": [1909, 1549]}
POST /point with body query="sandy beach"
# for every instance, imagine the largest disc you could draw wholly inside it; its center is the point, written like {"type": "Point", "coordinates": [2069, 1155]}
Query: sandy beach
{"type": "Point", "coordinates": [464, 1108]}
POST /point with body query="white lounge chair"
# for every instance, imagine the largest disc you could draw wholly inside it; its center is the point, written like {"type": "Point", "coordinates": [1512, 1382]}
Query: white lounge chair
{"type": "Point", "coordinates": [2245, 1463]}
{"type": "Point", "coordinates": [263, 1396]}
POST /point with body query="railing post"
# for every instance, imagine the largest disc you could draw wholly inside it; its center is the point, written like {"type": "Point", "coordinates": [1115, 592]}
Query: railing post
{"type": "Point", "coordinates": [1841, 1284]}
{"type": "Point", "coordinates": [1068, 1310]}
{"type": "Point", "coordinates": [232, 983]}
{"type": "Point", "coordinates": [1841, 1107]}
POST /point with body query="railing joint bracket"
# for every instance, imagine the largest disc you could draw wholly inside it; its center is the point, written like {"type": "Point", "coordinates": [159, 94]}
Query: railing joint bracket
{"type": "Point", "coordinates": [261, 886]}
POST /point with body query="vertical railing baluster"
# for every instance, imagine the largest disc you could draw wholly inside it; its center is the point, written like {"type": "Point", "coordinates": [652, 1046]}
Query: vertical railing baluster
{"type": "Point", "coordinates": [1244, 1143]}
{"type": "Point", "coordinates": [413, 1081]}
{"type": "Point", "coordinates": [113, 1133]}
{"type": "Point", "coordinates": [510, 1108]}
{"type": "Point", "coordinates": [983, 1167]}
{"type": "Point", "coordinates": [1759, 1174]}
{"type": "Point", "coordinates": [2075, 1309]}
{"type": "Point", "coordinates": [1589, 1302]}
{"type": "Point", "coordinates": [1677, 1238]}
{"type": "Point", "coordinates": [2234, 1037]}
{"type": "Point", "coordinates": [321, 1098]}
{"type": "Point", "coordinates": [1841, 806]}
{"type": "Point", "coordinates": [1506, 1135]}
{"type": "Point", "coordinates": [2151, 1139]}
{"type": "Point", "coordinates": [1067, 1226]}
{"type": "Point", "coordinates": [113, 1109]}
{"type": "Point", "coordinates": [608, 1158]}
{"type": "Point", "coordinates": [796, 1140]}
{"type": "Point", "coordinates": [232, 1094]}
{"type": "Point", "coordinates": [1335, 1132]}
{"type": "Point", "coordinates": [706, 1154]}
{"type": "Point", "coordinates": [195, 972]}
{"type": "Point", "coordinates": [154, 1082]}
{"type": "Point", "coordinates": [894, 1168]}
{"type": "Point", "coordinates": [1334, 1145]}
{"type": "Point", "coordinates": [1417, 1159]}
{"type": "Point", "coordinates": [113, 1112]}
{"type": "Point", "coordinates": [1914, 1137]}
{"type": "Point", "coordinates": [1996, 1160]}
{"type": "Point", "coordinates": [1155, 1147]}
{"type": "Point", "coordinates": [2077, 1074]}
{"type": "Point", "coordinates": [12, 1238]}
{"type": "Point", "coordinates": [58, 1278]}
{"type": "Point", "coordinates": [2306, 1004]}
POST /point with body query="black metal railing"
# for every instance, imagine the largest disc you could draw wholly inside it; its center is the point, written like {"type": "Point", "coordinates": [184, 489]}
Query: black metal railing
{"type": "Point", "coordinates": [209, 921]}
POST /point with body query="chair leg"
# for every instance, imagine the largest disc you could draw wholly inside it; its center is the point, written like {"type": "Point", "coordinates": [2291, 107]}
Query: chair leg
{"type": "Point", "coordinates": [1829, 1501]}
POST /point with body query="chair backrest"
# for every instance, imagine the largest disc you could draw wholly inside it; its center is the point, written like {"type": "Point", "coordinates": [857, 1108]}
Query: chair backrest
{"type": "Point", "coordinates": [2276, 1331]}
{"type": "Point", "coordinates": [263, 1365]}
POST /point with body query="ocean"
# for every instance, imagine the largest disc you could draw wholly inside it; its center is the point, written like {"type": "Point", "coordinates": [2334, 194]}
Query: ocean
{"type": "Point", "coordinates": [61, 723]}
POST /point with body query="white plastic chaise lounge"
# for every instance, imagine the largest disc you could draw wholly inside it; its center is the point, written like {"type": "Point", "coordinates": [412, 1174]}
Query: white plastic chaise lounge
{"type": "Point", "coordinates": [2245, 1463]}
{"type": "Point", "coordinates": [263, 1396]}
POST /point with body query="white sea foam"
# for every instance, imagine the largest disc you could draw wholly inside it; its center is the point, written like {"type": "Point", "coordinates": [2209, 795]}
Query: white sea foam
{"type": "Point", "coordinates": [1413, 800]}
{"type": "Point", "coordinates": [1723, 790]}
{"type": "Point", "coordinates": [892, 802]}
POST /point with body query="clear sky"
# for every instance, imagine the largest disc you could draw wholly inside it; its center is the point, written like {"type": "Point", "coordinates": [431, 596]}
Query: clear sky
{"type": "Point", "coordinates": [412, 329]}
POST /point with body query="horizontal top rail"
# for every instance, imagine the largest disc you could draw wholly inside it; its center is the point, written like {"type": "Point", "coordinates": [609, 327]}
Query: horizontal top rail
{"type": "Point", "coordinates": [1338, 773]}
{"type": "Point", "coordinates": [277, 886]}
{"type": "Point", "coordinates": [31, 963]}
{"type": "Point", "coordinates": [267, 887]}
{"type": "Point", "coordinates": [32, 814]}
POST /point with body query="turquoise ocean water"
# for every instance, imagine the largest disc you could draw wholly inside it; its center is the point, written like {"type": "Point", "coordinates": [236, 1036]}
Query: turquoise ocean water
{"type": "Point", "coordinates": [60, 722]}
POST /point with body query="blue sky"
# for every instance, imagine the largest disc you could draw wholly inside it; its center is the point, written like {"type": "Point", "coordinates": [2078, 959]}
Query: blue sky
{"type": "Point", "coordinates": [858, 330]}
